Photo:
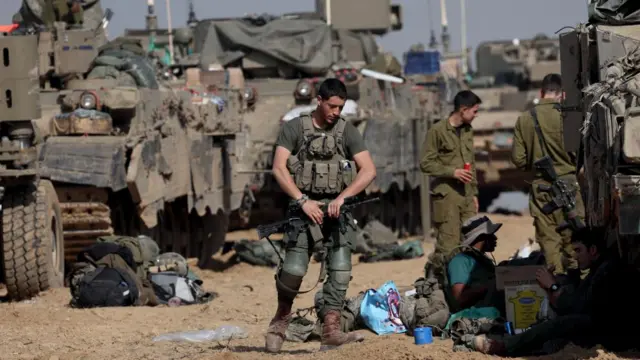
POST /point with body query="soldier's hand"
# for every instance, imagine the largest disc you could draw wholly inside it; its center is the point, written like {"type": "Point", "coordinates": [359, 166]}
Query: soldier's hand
{"type": "Point", "coordinates": [313, 211]}
{"type": "Point", "coordinates": [334, 207]}
{"type": "Point", "coordinates": [463, 175]}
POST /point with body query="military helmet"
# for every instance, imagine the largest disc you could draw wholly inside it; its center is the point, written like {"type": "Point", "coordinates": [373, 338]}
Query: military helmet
{"type": "Point", "coordinates": [173, 262]}
{"type": "Point", "coordinates": [148, 247]}
{"type": "Point", "coordinates": [183, 35]}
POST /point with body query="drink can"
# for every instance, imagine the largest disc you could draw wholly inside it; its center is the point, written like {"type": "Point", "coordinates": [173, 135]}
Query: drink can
{"type": "Point", "coordinates": [508, 327]}
{"type": "Point", "coordinates": [467, 166]}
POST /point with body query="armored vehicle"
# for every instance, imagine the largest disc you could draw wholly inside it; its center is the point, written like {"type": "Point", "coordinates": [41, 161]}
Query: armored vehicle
{"type": "Point", "coordinates": [601, 78]}
{"type": "Point", "coordinates": [508, 79]}
{"type": "Point", "coordinates": [93, 143]}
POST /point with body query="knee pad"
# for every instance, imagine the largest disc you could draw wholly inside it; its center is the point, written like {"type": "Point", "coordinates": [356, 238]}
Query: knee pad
{"type": "Point", "coordinates": [296, 262]}
{"type": "Point", "coordinates": [340, 279]}
{"type": "Point", "coordinates": [340, 259]}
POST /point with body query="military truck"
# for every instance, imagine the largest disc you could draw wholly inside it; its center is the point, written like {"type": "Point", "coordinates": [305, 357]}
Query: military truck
{"type": "Point", "coordinates": [83, 156]}
{"type": "Point", "coordinates": [508, 79]}
{"type": "Point", "coordinates": [601, 78]}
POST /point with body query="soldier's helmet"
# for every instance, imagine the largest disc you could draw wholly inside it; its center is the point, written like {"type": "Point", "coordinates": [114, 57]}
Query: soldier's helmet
{"type": "Point", "coordinates": [148, 247]}
{"type": "Point", "coordinates": [183, 35]}
{"type": "Point", "coordinates": [173, 262]}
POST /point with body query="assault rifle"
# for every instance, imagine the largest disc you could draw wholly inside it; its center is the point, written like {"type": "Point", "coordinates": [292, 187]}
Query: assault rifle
{"type": "Point", "coordinates": [562, 196]}
{"type": "Point", "coordinates": [297, 222]}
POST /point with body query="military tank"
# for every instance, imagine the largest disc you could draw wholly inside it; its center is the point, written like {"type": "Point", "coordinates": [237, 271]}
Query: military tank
{"type": "Point", "coordinates": [84, 154]}
{"type": "Point", "coordinates": [508, 80]}
{"type": "Point", "coordinates": [284, 76]}
{"type": "Point", "coordinates": [601, 78]}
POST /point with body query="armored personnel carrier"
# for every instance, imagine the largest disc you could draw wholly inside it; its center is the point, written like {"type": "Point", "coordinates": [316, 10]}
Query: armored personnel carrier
{"type": "Point", "coordinates": [508, 79]}
{"type": "Point", "coordinates": [601, 78]}
{"type": "Point", "coordinates": [87, 151]}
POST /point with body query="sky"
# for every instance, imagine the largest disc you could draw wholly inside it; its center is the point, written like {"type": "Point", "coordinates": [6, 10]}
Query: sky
{"type": "Point", "coordinates": [486, 19]}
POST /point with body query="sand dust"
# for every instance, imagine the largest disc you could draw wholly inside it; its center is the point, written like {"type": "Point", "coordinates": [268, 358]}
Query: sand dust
{"type": "Point", "coordinates": [46, 328]}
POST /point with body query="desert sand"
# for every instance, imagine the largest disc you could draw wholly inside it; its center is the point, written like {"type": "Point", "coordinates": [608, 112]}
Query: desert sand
{"type": "Point", "coordinates": [46, 328]}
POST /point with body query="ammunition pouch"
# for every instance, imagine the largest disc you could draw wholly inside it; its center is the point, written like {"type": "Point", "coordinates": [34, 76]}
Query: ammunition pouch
{"type": "Point", "coordinates": [322, 177]}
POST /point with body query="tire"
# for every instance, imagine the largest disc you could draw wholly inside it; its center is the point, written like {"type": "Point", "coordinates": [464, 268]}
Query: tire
{"type": "Point", "coordinates": [33, 245]}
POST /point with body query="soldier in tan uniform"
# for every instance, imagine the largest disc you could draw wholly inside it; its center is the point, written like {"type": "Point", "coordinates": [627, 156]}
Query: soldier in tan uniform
{"type": "Point", "coordinates": [448, 147]}
{"type": "Point", "coordinates": [320, 160]}
{"type": "Point", "coordinates": [527, 150]}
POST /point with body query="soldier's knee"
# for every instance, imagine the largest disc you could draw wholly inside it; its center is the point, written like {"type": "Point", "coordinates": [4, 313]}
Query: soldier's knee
{"type": "Point", "coordinates": [340, 279]}
{"type": "Point", "coordinates": [296, 262]}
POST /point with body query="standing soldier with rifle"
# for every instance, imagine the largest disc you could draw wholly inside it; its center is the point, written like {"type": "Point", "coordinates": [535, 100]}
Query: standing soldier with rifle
{"type": "Point", "coordinates": [538, 146]}
{"type": "Point", "coordinates": [449, 158]}
{"type": "Point", "coordinates": [321, 150]}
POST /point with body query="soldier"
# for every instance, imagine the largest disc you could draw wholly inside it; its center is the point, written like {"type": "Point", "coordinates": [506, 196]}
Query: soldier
{"type": "Point", "coordinates": [448, 157]}
{"type": "Point", "coordinates": [527, 149]}
{"type": "Point", "coordinates": [321, 151]}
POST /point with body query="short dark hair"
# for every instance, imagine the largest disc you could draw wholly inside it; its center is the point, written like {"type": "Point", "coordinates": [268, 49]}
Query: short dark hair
{"type": "Point", "coordinates": [552, 83]}
{"type": "Point", "coordinates": [465, 98]}
{"type": "Point", "coordinates": [591, 236]}
{"type": "Point", "coordinates": [332, 87]}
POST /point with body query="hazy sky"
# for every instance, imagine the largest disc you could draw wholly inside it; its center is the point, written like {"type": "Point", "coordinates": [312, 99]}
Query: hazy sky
{"type": "Point", "coordinates": [486, 19]}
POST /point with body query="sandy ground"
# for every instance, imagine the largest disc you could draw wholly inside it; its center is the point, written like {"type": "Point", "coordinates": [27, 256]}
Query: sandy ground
{"type": "Point", "coordinates": [46, 328]}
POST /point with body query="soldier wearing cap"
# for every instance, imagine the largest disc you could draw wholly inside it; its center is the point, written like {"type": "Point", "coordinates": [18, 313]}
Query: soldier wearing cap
{"type": "Point", "coordinates": [471, 273]}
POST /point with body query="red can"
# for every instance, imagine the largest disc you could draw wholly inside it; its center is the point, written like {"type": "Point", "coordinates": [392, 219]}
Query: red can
{"type": "Point", "coordinates": [467, 166]}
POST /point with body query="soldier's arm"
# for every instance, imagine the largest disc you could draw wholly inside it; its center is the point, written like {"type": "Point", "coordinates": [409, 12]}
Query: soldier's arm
{"type": "Point", "coordinates": [474, 181]}
{"type": "Point", "coordinates": [519, 149]}
{"type": "Point", "coordinates": [362, 157]}
{"type": "Point", "coordinates": [429, 164]}
{"type": "Point", "coordinates": [284, 146]}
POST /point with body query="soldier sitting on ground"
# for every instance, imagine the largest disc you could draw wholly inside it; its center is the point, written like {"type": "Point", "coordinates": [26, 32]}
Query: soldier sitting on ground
{"type": "Point", "coordinates": [471, 273]}
{"type": "Point", "coordinates": [596, 311]}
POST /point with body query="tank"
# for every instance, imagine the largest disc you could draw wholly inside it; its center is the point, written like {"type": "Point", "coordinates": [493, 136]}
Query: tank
{"type": "Point", "coordinates": [85, 153]}
{"type": "Point", "coordinates": [283, 78]}
{"type": "Point", "coordinates": [600, 74]}
{"type": "Point", "coordinates": [508, 80]}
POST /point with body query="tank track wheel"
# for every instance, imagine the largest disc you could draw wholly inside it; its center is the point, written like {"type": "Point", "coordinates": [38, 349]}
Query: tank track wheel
{"type": "Point", "coordinates": [33, 245]}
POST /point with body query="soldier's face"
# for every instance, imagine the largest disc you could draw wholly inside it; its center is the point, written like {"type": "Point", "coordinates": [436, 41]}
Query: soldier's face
{"type": "Point", "coordinates": [469, 113]}
{"type": "Point", "coordinates": [489, 242]}
{"type": "Point", "coordinates": [331, 108]}
{"type": "Point", "coordinates": [585, 256]}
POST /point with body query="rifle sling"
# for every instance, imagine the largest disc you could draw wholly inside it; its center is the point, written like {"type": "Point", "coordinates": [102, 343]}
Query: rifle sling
{"type": "Point", "coordinates": [280, 283]}
{"type": "Point", "coordinates": [536, 126]}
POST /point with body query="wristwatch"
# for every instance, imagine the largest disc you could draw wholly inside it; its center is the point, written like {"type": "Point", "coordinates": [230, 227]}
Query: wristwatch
{"type": "Point", "coordinates": [554, 287]}
{"type": "Point", "coordinates": [302, 199]}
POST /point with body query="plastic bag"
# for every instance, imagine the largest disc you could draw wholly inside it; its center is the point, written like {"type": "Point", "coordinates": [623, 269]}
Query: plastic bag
{"type": "Point", "coordinates": [222, 333]}
{"type": "Point", "coordinates": [380, 310]}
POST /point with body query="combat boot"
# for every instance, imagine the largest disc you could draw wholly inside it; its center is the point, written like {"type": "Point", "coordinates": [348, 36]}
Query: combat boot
{"type": "Point", "coordinates": [278, 326]}
{"type": "Point", "coordinates": [331, 333]}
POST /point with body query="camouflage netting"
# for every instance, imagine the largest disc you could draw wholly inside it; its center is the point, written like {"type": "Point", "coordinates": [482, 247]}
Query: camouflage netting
{"type": "Point", "coordinates": [614, 12]}
{"type": "Point", "coordinates": [126, 62]}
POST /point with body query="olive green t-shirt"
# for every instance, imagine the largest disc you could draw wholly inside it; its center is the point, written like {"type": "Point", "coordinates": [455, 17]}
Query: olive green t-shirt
{"type": "Point", "coordinates": [291, 133]}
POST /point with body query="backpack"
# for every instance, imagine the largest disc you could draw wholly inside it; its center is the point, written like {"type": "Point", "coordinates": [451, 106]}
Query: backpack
{"type": "Point", "coordinates": [106, 286]}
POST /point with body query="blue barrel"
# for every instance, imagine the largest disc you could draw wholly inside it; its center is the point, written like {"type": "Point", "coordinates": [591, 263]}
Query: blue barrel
{"type": "Point", "coordinates": [422, 62]}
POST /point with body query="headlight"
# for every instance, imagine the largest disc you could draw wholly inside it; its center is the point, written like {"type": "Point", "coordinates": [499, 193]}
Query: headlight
{"type": "Point", "coordinates": [304, 90]}
{"type": "Point", "coordinates": [249, 95]}
{"type": "Point", "coordinates": [88, 101]}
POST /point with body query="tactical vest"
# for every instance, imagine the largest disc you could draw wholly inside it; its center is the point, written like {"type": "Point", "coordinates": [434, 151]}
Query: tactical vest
{"type": "Point", "coordinates": [320, 167]}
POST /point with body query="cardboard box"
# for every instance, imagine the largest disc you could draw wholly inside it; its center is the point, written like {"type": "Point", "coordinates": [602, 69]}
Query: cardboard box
{"type": "Point", "coordinates": [523, 295]}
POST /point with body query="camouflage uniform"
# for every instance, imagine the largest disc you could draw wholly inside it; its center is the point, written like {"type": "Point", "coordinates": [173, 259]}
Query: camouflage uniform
{"type": "Point", "coordinates": [321, 165]}
{"type": "Point", "coordinates": [526, 150]}
{"type": "Point", "coordinates": [446, 149]}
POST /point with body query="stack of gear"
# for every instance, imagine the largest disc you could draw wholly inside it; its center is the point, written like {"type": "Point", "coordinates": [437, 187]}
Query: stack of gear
{"type": "Point", "coordinates": [431, 308]}
{"type": "Point", "coordinates": [259, 253]}
{"type": "Point", "coordinates": [377, 242]}
{"type": "Point", "coordinates": [128, 271]}
{"type": "Point", "coordinates": [125, 61]}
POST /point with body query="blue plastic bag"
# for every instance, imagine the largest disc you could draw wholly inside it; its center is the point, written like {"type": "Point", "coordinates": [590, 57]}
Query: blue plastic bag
{"type": "Point", "coordinates": [379, 310]}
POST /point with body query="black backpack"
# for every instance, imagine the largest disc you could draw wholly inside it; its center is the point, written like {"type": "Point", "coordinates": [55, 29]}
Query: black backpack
{"type": "Point", "coordinates": [106, 286]}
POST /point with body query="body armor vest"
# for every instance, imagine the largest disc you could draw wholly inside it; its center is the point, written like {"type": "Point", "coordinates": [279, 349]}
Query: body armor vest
{"type": "Point", "coordinates": [320, 167]}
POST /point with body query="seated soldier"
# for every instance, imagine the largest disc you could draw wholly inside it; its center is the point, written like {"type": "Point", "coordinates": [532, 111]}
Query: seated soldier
{"type": "Point", "coordinates": [471, 273]}
{"type": "Point", "coordinates": [593, 312]}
